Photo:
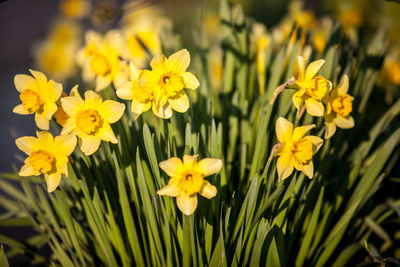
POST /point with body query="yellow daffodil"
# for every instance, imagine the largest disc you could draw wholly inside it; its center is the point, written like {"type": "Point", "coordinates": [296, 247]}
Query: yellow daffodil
{"type": "Point", "coordinates": [391, 70]}
{"type": "Point", "coordinates": [187, 179]}
{"type": "Point", "coordinates": [90, 119]}
{"type": "Point", "coordinates": [100, 59]}
{"type": "Point", "coordinates": [130, 90]}
{"type": "Point", "coordinates": [216, 66]}
{"type": "Point", "coordinates": [320, 35]}
{"type": "Point", "coordinates": [75, 8]}
{"type": "Point", "coordinates": [61, 116]}
{"type": "Point", "coordinates": [38, 95]}
{"type": "Point", "coordinates": [166, 82]}
{"type": "Point", "coordinates": [46, 155]}
{"type": "Point", "coordinates": [65, 32]}
{"type": "Point", "coordinates": [294, 149]}
{"type": "Point", "coordinates": [311, 88]}
{"type": "Point", "coordinates": [338, 109]}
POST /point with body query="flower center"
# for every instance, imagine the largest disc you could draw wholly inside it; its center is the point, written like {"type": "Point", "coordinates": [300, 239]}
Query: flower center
{"type": "Point", "coordinates": [42, 161]}
{"type": "Point", "coordinates": [302, 150]}
{"type": "Point", "coordinates": [89, 121]}
{"type": "Point", "coordinates": [342, 105]}
{"type": "Point", "coordinates": [171, 84]}
{"type": "Point", "coordinates": [317, 88]}
{"type": "Point", "coordinates": [99, 64]}
{"type": "Point", "coordinates": [191, 182]}
{"type": "Point", "coordinates": [31, 101]}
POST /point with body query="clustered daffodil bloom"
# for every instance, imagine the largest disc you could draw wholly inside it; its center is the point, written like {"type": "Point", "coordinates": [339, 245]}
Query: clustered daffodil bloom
{"type": "Point", "coordinates": [100, 59]}
{"type": "Point", "coordinates": [294, 149]}
{"type": "Point", "coordinates": [165, 83]}
{"type": "Point", "coordinates": [187, 179]}
{"type": "Point", "coordinates": [46, 155]}
{"type": "Point", "coordinates": [338, 108]}
{"type": "Point", "coordinates": [311, 88]}
{"type": "Point", "coordinates": [130, 90]}
{"type": "Point", "coordinates": [90, 119]}
{"type": "Point", "coordinates": [38, 96]}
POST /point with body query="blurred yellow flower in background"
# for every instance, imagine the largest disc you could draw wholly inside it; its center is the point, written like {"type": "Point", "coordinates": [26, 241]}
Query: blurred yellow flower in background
{"type": "Point", "coordinates": [100, 59]}
{"type": "Point", "coordinates": [338, 108]}
{"type": "Point", "coordinates": [311, 89]}
{"type": "Point", "coordinates": [38, 96]}
{"type": "Point", "coordinates": [90, 119]}
{"type": "Point", "coordinates": [261, 41]}
{"type": "Point", "coordinates": [295, 150]}
{"type": "Point", "coordinates": [75, 9]}
{"type": "Point", "coordinates": [216, 66]}
{"type": "Point", "coordinates": [166, 82]}
{"type": "Point", "coordinates": [187, 179]}
{"type": "Point", "coordinates": [46, 155]}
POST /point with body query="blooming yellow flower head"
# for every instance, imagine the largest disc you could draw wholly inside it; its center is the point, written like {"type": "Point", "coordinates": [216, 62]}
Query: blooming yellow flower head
{"type": "Point", "coordinates": [338, 108]}
{"type": "Point", "coordinates": [46, 155]}
{"type": "Point", "coordinates": [100, 59]}
{"type": "Point", "coordinates": [75, 8]}
{"type": "Point", "coordinates": [187, 179]}
{"type": "Point", "coordinates": [391, 71]}
{"type": "Point", "coordinates": [90, 119]}
{"type": "Point", "coordinates": [261, 43]}
{"type": "Point", "coordinates": [130, 90]}
{"type": "Point", "coordinates": [303, 18]}
{"type": "Point", "coordinates": [166, 82]}
{"type": "Point", "coordinates": [295, 150]}
{"type": "Point", "coordinates": [311, 88]}
{"type": "Point", "coordinates": [38, 96]}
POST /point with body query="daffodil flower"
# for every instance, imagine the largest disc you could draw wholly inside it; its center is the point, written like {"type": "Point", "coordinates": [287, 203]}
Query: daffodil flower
{"type": "Point", "coordinates": [90, 119]}
{"type": "Point", "coordinates": [311, 88]}
{"type": "Point", "coordinates": [46, 155]}
{"type": "Point", "coordinates": [187, 179]}
{"type": "Point", "coordinates": [100, 59]}
{"type": "Point", "coordinates": [38, 96]}
{"type": "Point", "coordinates": [131, 90]}
{"type": "Point", "coordinates": [166, 82]}
{"type": "Point", "coordinates": [294, 149]}
{"type": "Point", "coordinates": [338, 109]}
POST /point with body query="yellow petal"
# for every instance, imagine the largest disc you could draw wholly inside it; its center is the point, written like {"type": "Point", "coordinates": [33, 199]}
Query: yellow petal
{"type": "Point", "coordinates": [190, 80]}
{"type": "Point", "coordinates": [163, 112]}
{"type": "Point", "coordinates": [90, 144]}
{"type": "Point", "coordinates": [179, 61]}
{"type": "Point", "coordinates": [112, 111]}
{"type": "Point", "coordinates": [69, 127]}
{"type": "Point", "coordinates": [27, 144]}
{"type": "Point", "coordinates": [65, 144]}
{"type": "Point", "coordinates": [148, 80]}
{"type": "Point", "coordinates": [106, 133]}
{"type": "Point", "coordinates": [208, 191]}
{"type": "Point", "coordinates": [138, 108]}
{"type": "Point", "coordinates": [54, 91]}
{"type": "Point", "coordinates": [187, 204]}
{"type": "Point", "coordinates": [26, 170]}
{"type": "Point", "coordinates": [316, 141]}
{"type": "Point", "coordinates": [308, 169]}
{"type": "Point", "coordinates": [300, 67]}
{"type": "Point", "coordinates": [159, 62]}
{"type": "Point", "coordinates": [313, 68]}
{"type": "Point", "coordinates": [93, 99]}
{"type": "Point", "coordinates": [62, 165]}
{"type": "Point", "coordinates": [45, 139]}
{"type": "Point", "coordinates": [40, 77]}
{"type": "Point", "coordinates": [52, 181]}
{"type": "Point", "coordinates": [102, 82]}
{"type": "Point", "coordinates": [41, 121]}
{"type": "Point", "coordinates": [209, 166]}
{"type": "Point", "coordinates": [20, 110]}
{"type": "Point", "coordinates": [314, 107]}
{"type": "Point", "coordinates": [300, 131]}
{"type": "Point", "coordinates": [171, 189]}
{"type": "Point", "coordinates": [124, 90]}
{"type": "Point", "coordinates": [71, 104]}
{"type": "Point", "coordinates": [172, 166]}
{"type": "Point", "coordinates": [298, 99]}
{"type": "Point", "coordinates": [134, 72]}
{"type": "Point", "coordinates": [74, 91]}
{"type": "Point", "coordinates": [180, 103]}
{"type": "Point", "coordinates": [344, 122]}
{"type": "Point", "coordinates": [330, 129]}
{"type": "Point", "coordinates": [189, 161]}
{"type": "Point", "coordinates": [284, 130]}
{"type": "Point", "coordinates": [284, 166]}
{"type": "Point", "coordinates": [343, 85]}
{"type": "Point", "coordinates": [23, 81]}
